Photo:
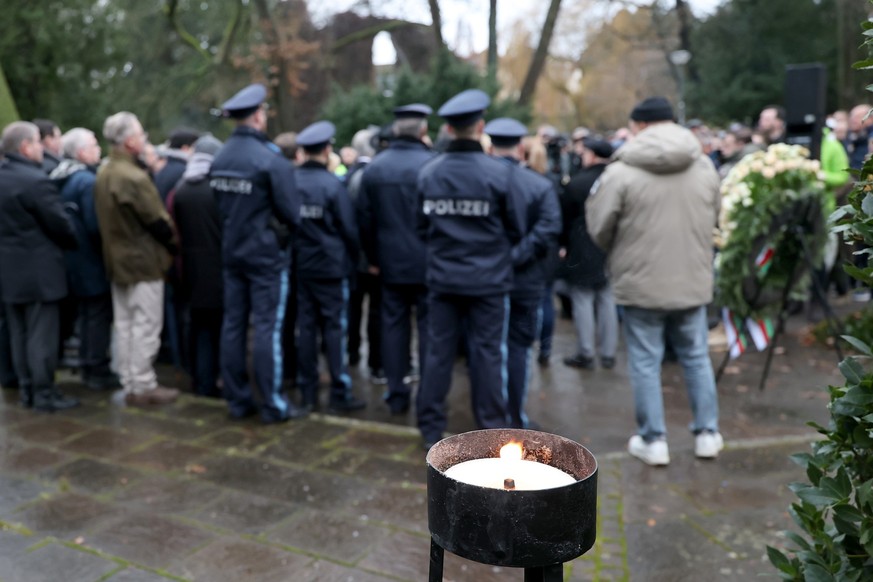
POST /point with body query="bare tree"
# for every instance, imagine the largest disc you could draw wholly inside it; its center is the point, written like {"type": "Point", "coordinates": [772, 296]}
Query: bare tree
{"type": "Point", "coordinates": [436, 16]}
{"type": "Point", "coordinates": [492, 42]}
{"type": "Point", "coordinates": [539, 58]}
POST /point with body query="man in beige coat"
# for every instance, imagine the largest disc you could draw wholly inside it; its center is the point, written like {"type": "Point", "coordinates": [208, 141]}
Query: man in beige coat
{"type": "Point", "coordinates": [653, 212]}
{"type": "Point", "coordinates": [137, 237]}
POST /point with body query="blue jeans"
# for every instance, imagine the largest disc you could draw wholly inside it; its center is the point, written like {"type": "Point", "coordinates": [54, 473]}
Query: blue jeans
{"type": "Point", "coordinates": [687, 330]}
{"type": "Point", "coordinates": [547, 325]}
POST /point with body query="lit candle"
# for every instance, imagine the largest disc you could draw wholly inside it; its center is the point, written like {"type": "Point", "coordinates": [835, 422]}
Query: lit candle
{"type": "Point", "coordinates": [509, 468]}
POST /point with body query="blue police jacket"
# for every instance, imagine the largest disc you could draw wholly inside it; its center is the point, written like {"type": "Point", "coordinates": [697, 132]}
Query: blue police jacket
{"type": "Point", "coordinates": [388, 212]}
{"type": "Point", "coordinates": [469, 220]}
{"type": "Point", "coordinates": [327, 242]}
{"type": "Point", "coordinates": [257, 199]}
{"type": "Point", "coordinates": [86, 273]}
{"type": "Point", "coordinates": [540, 212]}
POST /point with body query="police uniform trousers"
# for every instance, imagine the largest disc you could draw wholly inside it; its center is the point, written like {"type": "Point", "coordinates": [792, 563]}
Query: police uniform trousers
{"type": "Point", "coordinates": [525, 317]}
{"type": "Point", "coordinates": [322, 306]}
{"type": "Point", "coordinates": [34, 329]}
{"type": "Point", "coordinates": [397, 304]}
{"type": "Point", "coordinates": [261, 293]}
{"type": "Point", "coordinates": [367, 285]}
{"type": "Point", "coordinates": [486, 322]}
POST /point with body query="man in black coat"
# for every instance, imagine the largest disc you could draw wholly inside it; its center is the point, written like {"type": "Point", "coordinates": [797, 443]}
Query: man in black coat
{"type": "Point", "coordinates": [195, 212]}
{"type": "Point", "coordinates": [593, 304]}
{"type": "Point", "coordinates": [34, 230]}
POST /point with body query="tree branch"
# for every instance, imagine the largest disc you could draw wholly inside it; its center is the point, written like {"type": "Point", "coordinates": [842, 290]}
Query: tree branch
{"type": "Point", "coordinates": [539, 59]}
{"type": "Point", "coordinates": [230, 33]}
{"type": "Point", "coordinates": [170, 10]}
{"type": "Point", "coordinates": [369, 32]}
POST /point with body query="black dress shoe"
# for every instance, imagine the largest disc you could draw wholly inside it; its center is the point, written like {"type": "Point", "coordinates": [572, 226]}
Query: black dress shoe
{"type": "Point", "coordinates": [100, 382]}
{"type": "Point", "coordinates": [54, 402]}
{"type": "Point", "coordinates": [296, 412]}
{"type": "Point", "coordinates": [580, 361]}
{"type": "Point", "coordinates": [607, 363]}
{"type": "Point", "coordinates": [398, 404]}
{"type": "Point", "coordinates": [348, 405]}
{"type": "Point", "coordinates": [543, 360]}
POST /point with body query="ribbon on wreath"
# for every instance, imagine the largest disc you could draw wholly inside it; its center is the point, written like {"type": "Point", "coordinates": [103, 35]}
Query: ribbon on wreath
{"type": "Point", "coordinates": [739, 330]}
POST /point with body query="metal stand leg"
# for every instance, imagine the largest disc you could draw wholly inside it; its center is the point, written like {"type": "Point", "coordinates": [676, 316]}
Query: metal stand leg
{"type": "Point", "coordinates": [553, 573]}
{"type": "Point", "coordinates": [436, 562]}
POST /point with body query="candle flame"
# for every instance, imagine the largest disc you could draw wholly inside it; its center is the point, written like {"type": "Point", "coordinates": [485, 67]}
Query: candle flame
{"type": "Point", "coordinates": [512, 451]}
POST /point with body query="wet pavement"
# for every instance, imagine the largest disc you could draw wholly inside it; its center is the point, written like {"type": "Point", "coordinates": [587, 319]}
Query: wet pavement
{"type": "Point", "coordinates": [108, 493]}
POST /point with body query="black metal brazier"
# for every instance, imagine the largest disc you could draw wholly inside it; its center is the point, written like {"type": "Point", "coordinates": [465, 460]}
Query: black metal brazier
{"type": "Point", "coordinates": [536, 530]}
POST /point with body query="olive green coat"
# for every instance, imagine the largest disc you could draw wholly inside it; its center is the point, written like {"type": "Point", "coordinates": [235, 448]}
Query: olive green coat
{"type": "Point", "coordinates": [127, 204]}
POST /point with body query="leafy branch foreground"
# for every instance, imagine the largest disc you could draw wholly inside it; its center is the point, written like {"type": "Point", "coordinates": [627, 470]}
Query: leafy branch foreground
{"type": "Point", "coordinates": [835, 509]}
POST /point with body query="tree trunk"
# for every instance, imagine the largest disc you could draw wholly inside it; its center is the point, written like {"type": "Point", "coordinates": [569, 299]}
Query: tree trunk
{"type": "Point", "coordinates": [279, 81]}
{"type": "Point", "coordinates": [539, 58]}
{"type": "Point", "coordinates": [684, 16]}
{"type": "Point", "coordinates": [492, 43]}
{"type": "Point", "coordinates": [436, 16]}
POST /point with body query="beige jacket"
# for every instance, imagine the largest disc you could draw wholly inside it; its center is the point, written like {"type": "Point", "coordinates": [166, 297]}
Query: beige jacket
{"type": "Point", "coordinates": [653, 212]}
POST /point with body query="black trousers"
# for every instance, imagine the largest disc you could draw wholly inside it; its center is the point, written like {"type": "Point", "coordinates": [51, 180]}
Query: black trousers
{"type": "Point", "coordinates": [366, 285]}
{"type": "Point", "coordinates": [205, 338]}
{"type": "Point", "coordinates": [8, 377]}
{"type": "Point", "coordinates": [398, 301]}
{"type": "Point", "coordinates": [485, 320]}
{"type": "Point", "coordinates": [96, 332]}
{"type": "Point", "coordinates": [34, 329]}
{"type": "Point", "coordinates": [321, 309]}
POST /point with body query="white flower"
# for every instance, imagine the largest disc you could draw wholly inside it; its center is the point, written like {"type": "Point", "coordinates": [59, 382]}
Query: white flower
{"type": "Point", "coordinates": [768, 173]}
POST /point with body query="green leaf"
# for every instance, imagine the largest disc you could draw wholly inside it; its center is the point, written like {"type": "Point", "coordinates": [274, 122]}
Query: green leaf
{"type": "Point", "coordinates": [852, 370]}
{"type": "Point", "coordinates": [817, 496]}
{"type": "Point", "coordinates": [864, 494]}
{"type": "Point", "coordinates": [781, 561]}
{"type": "Point", "coordinates": [858, 344]}
{"type": "Point", "coordinates": [815, 573]}
{"type": "Point", "coordinates": [867, 204]}
{"type": "Point", "coordinates": [849, 513]}
{"type": "Point", "coordinates": [862, 437]}
{"type": "Point", "coordinates": [800, 542]}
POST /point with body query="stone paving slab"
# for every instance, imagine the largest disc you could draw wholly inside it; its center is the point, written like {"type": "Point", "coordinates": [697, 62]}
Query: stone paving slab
{"type": "Point", "coordinates": [180, 493]}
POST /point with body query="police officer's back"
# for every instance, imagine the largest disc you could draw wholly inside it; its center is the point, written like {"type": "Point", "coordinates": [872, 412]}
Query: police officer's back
{"type": "Point", "coordinates": [541, 215]}
{"type": "Point", "coordinates": [388, 207]}
{"type": "Point", "coordinates": [326, 250]}
{"type": "Point", "coordinates": [469, 222]}
{"type": "Point", "coordinates": [259, 207]}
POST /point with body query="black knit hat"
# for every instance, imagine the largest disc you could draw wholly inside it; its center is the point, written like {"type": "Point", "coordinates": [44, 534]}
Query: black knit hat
{"type": "Point", "coordinates": [599, 147]}
{"type": "Point", "coordinates": [652, 109]}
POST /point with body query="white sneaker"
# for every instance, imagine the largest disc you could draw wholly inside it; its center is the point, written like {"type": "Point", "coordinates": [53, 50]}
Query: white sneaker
{"type": "Point", "coordinates": [708, 444]}
{"type": "Point", "coordinates": [653, 453]}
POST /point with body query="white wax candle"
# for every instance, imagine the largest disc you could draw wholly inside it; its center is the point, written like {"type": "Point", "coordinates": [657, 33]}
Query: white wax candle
{"type": "Point", "coordinates": [528, 475]}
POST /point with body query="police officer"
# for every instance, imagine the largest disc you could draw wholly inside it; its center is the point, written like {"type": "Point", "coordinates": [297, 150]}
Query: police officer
{"type": "Point", "coordinates": [259, 207]}
{"type": "Point", "coordinates": [327, 245]}
{"type": "Point", "coordinates": [387, 214]}
{"type": "Point", "coordinates": [541, 215]}
{"type": "Point", "coordinates": [469, 221]}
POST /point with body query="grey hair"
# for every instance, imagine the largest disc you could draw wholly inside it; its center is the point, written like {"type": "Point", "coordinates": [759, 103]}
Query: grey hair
{"type": "Point", "coordinates": [119, 127]}
{"type": "Point", "coordinates": [409, 127]}
{"type": "Point", "coordinates": [74, 140]}
{"type": "Point", "coordinates": [361, 143]}
{"type": "Point", "coordinates": [16, 133]}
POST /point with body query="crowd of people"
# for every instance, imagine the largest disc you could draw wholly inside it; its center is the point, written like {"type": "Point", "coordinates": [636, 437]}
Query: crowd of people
{"type": "Point", "coordinates": [243, 262]}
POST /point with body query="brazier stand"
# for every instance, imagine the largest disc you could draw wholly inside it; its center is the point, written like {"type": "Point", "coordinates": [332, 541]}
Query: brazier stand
{"type": "Point", "coordinates": [535, 530]}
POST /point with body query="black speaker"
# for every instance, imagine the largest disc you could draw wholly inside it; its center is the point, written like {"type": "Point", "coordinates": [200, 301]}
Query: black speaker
{"type": "Point", "coordinates": [805, 105]}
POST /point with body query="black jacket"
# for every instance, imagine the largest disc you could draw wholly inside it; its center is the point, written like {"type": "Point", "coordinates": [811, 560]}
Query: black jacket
{"type": "Point", "coordinates": [469, 219]}
{"type": "Point", "coordinates": [327, 243]}
{"type": "Point", "coordinates": [541, 214]}
{"type": "Point", "coordinates": [388, 211]}
{"type": "Point", "coordinates": [169, 176]}
{"type": "Point", "coordinates": [34, 230]}
{"type": "Point", "coordinates": [585, 265]}
{"type": "Point", "coordinates": [199, 225]}
{"type": "Point", "coordinates": [257, 200]}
